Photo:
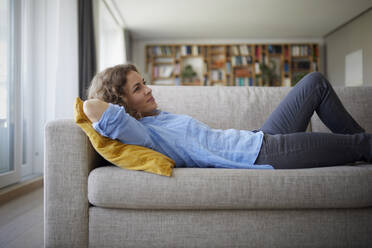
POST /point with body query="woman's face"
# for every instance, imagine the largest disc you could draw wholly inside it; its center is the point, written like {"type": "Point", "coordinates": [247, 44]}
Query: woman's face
{"type": "Point", "coordinates": [138, 95]}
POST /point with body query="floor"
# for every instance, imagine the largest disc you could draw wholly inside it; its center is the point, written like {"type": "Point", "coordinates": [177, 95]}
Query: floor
{"type": "Point", "coordinates": [21, 221]}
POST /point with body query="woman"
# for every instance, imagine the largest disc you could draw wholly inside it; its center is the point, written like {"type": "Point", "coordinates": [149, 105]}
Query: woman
{"type": "Point", "coordinates": [122, 107]}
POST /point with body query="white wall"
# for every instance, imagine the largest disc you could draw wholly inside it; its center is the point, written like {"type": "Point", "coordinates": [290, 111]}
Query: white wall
{"type": "Point", "coordinates": [138, 47]}
{"type": "Point", "coordinates": [353, 36]}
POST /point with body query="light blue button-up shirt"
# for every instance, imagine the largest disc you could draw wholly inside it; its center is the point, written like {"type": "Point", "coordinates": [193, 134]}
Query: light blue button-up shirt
{"type": "Point", "coordinates": [189, 142]}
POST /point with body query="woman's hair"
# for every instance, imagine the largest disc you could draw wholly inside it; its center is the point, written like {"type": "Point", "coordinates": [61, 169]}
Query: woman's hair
{"type": "Point", "coordinates": [108, 85]}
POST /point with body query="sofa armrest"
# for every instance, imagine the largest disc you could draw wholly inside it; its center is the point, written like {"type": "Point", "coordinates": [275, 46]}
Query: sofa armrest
{"type": "Point", "coordinates": [68, 159]}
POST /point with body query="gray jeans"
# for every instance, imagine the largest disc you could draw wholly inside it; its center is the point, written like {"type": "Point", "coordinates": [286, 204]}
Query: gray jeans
{"type": "Point", "coordinates": [287, 145]}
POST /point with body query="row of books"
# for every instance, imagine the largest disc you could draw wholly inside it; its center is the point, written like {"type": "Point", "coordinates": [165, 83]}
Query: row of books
{"type": "Point", "coordinates": [205, 65]}
{"type": "Point", "coordinates": [247, 60]}
{"type": "Point", "coordinates": [228, 67]}
{"type": "Point", "coordinates": [286, 67]}
{"type": "Point", "coordinates": [305, 65]}
{"type": "Point", "coordinates": [259, 52]}
{"type": "Point", "coordinates": [246, 71]}
{"type": "Point", "coordinates": [256, 68]}
{"type": "Point", "coordinates": [177, 69]}
{"type": "Point", "coordinates": [244, 50]}
{"type": "Point", "coordinates": [303, 50]}
{"type": "Point", "coordinates": [260, 55]}
{"type": "Point", "coordinates": [161, 51]}
{"type": "Point", "coordinates": [296, 50]}
{"type": "Point", "coordinates": [241, 60]}
{"type": "Point", "coordinates": [243, 81]}
{"type": "Point", "coordinates": [217, 75]}
{"type": "Point", "coordinates": [205, 80]}
{"type": "Point", "coordinates": [191, 50]}
{"type": "Point", "coordinates": [274, 49]}
{"type": "Point", "coordinates": [162, 71]}
{"type": "Point", "coordinates": [167, 50]}
{"type": "Point", "coordinates": [243, 71]}
{"type": "Point", "coordinates": [300, 65]}
{"type": "Point", "coordinates": [241, 50]}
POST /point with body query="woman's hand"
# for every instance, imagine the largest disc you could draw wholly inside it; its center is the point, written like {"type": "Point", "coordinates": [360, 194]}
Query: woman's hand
{"type": "Point", "coordinates": [94, 109]}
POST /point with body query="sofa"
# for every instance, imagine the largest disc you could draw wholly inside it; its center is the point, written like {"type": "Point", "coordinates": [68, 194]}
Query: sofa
{"type": "Point", "coordinates": [89, 202]}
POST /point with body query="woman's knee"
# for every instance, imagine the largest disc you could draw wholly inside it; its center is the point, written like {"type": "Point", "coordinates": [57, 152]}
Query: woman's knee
{"type": "Point", "coordinates": [316, 79]}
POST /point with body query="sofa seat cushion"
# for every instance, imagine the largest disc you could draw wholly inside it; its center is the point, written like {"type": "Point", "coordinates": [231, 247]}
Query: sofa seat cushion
{"type": "Point", "coordinates": [213, 188]}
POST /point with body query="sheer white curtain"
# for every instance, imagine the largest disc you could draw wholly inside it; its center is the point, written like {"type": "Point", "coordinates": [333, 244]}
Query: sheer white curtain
{"type": "Point", "coordinates": [55, 60]}
{"type": "Point", "coordinates": [50, 69]}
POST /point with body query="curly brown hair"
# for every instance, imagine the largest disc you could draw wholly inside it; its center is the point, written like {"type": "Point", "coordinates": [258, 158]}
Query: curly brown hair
{"type": "Point", "coordinates": [108, 85]}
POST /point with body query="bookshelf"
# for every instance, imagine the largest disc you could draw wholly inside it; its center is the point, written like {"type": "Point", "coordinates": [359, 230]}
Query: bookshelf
{"type": "Point", "coordinates": [231, 64]}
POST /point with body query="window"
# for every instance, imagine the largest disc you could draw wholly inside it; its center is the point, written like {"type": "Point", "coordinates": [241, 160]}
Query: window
{"type": "Point", "coordinates": [15, 93]}
{"type": "Point", "coordinates": [111, 39]}
{"type": "Point", "coordinates": [9, 166]}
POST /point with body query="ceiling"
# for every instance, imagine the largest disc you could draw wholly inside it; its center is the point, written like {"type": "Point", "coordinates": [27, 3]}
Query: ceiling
{"type": "Point", "coordinates": [239, 19]}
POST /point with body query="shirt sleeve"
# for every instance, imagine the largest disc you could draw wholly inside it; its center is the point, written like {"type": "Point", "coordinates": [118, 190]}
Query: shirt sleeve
{"type": "Point", "coordinates": [115, 123]}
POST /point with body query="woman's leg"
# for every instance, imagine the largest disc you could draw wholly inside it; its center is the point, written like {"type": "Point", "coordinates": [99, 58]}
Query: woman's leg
{"type": "Point", "coordinates": [312, 93]}
{"type": "Point", "coordinates": [309, 150]}
{"type": "Point", "coordinates": [286, 145]}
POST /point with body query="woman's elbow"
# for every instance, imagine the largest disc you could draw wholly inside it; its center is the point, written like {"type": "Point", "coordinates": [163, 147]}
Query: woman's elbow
{"type": "Point", "coordinates": [94, 109]}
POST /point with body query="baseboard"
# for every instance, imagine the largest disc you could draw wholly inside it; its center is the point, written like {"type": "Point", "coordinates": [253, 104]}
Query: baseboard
{"type": "Point", "coordinates": [13, 191]}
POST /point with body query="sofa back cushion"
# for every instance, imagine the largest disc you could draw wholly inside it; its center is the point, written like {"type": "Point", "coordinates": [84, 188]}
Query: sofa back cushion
{"type": "Point", "coordinates": [221, 107]}
{"type": "Point", "coordinates": [247, 108]}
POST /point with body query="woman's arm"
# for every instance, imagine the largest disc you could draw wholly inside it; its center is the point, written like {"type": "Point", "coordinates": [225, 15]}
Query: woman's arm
{"type": "Point", "coordinates": [113, 122]}
{"type": "Point", "coordinates": [94, 108]}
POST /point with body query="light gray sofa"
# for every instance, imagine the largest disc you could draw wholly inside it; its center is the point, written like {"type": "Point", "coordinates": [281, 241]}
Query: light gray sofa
{"type": "Point", "coordinates": [90, 203]}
